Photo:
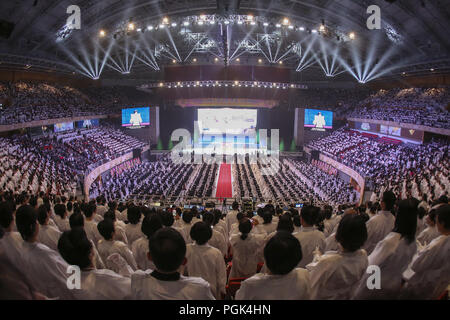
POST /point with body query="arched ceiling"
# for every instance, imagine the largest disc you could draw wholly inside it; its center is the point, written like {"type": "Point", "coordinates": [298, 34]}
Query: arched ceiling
{"type": "Point", "coordinates": [413, 37]}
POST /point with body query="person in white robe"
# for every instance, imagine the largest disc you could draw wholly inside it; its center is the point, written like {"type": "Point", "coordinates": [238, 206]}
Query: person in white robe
{"type": "Point", "coordinates": [217, 239]}
{"type": "Point", "coordinates": [49, 270]}
{"type": "Point", "coordinates": [48, 235]}
{"type": "Point", "coordinates": [336, 274]}
{"type": "Point", "coordinates": [90, 226]}
{"type": "Point", "coordinates": [60, 218]}
{"type": "Point", "coordinates": [247, 251]}
{"type": "Point", "coordinates": [205, 261]}
{"type": "Point", "coordinates": [283, 281]}
{"type": "Point", "coordinates": [150, 224]}
{"type": "Point", "coordinates": [96, 284]}
{"type": "Point", "coordinates": [168, 252]}
{"type": "Point", "coordinates": [428, 274]}
{"type": "Point", "coordinates": [133, 227]}
{"type": "Point", "coordinates": [109, 245]}
{"type": "Point", "coordinates": [382, 223]}
{"type": "Point", "coordinates": [310, 238]}
{"type": "Point", "coordinates": [12, 242]}
{"type": "Point", "coordinates": [392, 255]}
{"type": "Point", "coordinates": [230, 218]}
{"type": "Point", "coordinates": [430, 232]}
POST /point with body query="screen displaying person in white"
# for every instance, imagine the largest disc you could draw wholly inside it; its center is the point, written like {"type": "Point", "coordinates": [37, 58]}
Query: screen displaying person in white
{"type": "Point", "coordinates": [136, 118]}
{"type": "Point", "coordinates": [319, 120]}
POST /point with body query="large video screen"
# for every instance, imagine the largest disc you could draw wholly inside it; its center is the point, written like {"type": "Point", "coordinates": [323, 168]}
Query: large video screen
{"type": "Point", "coordinates": [227, 120]}
{"type": "Point", "coordinates": [318, 119]}
{"type": "Point", "coordinates": [63, 126]}
{"type": "Point", "coordinates": [392, 131]}
{"type": "Point", "coordinates": [87, 123]}
{"type": "Point", "coordinates": [136, 117]}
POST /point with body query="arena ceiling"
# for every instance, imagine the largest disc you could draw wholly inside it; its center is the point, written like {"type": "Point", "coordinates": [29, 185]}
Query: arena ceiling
{"type": "Point", "coordinates": [141, 37]}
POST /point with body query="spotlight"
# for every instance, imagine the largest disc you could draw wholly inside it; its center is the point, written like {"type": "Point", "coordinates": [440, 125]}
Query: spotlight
{"type": "Point", "coordinates": [165, 20]}
{"type": "Point", "coordinates": [216, 59]}
{"type": "Point", "coordinates": [278, 25]}
{"type": "Point", "coordinates": [236, 82]}
{"type": "Point", "coordinates": [265, 24]}
{"type": "Point", "coordinates": [200, 22]}
{"type": "Point", "coordinates": [161, 84]}
{"type": "Point", "coordinates": [322, 28]}
{"type": "Point", "coordinates": [174, 61]}
{"type": "Point", "coordinates": [202, 17]}
{"type": "Point", "coordinates": [186, 23]}
{"type": "Point", "coordinates": [194, 60]}
{"type": "Point", "coordinates": [138, 29]}
{"type": "Point", "coordinates": [174, 24]}
{"type": "Point", "coordinates": [212, 22]}
{"type": "Point", "coordinates": [238, 59]}
{"type": "Point", "coordinates": [291, 26]}
{"type": "Point", "coordinates": [292, 85]}
{"type": "Point", "coordinates": [250, 17]}
{"type": "Point", "coordinates": [131, 26]}
{"type": "Point", "coordinates": [352, 35]}
{"type": "Point", "coordinates": [285, 21]}
{"type": "Point", "coordinates": [149, 28]}
{"type": "Point", "coordinates": [314, 31]}
{"type": "Point", "coordinates": [260, 60]}
{"type": "Point", "coordinates": [281, 62]}
{"type": "Point", "coordinates": [226, 22]}
{"type": "Point", "coordinates": [431, 69]}
{"type": "Point", "coordinates": [240, 22]}
{"type": "Point", "coordinates": [161, 26]}
{"type": "Point", "coordinates": [102, 33]}
{"type": "Point", "coordinates": [301, 29]}
{"type": "Point", "coordinates": [253, 23]}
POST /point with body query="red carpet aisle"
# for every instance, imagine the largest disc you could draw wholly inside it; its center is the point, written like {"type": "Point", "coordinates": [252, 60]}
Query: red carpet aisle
{"type": "Point", "coordinates": [224, 189]}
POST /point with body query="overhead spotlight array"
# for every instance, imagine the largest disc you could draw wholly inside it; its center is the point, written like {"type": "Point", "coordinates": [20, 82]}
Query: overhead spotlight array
{"type": "Point", "coordinates": [224, 83]}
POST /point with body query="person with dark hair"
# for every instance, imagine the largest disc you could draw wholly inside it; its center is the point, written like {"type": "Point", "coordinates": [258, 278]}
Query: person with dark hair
{"type": "Point", "coordinates": [382, 223]}
{"type": "Point", "coordinates": [310, 238]}
{"type": "Point", "coordinates": [133, 228]}
{"type": "Point", "coordinates": [296, 220]}
{"type": "Point", "coordinates": [108, 245]}
{"type": "Point", "coordinates": [11, 243]}
{"type": "Point", "coordinates": [393, 254]}
{"type": "Point", "coordinates": [48, 235]}
{"type": "Point", "coordinates": [205, 261]}
{"type": "Point", "coordinates": [246, 248]}
{"type": "Point", "coordinates": [96, 284]}
{"type": "Point", "coordinates": [428, 274]}
{"type": "Point", "coordinates": [167, 250]}
{"type": "Point", "coordinates": [267, 226]}
{"type": "Point", "coordinates": [283, 281]}
{"type": "Point", "coordinates": [230, 218]}
{"type": "Point", "coordinates": [186, 225]}
{"type": "Point", "coordinates": [69, 206]}
{"type": "Point", "coordinates": [217, 239]}
{"type": "Point", "coordinates": [101, 208]}
{"type": "Point", "coordinates": [76, 220]}
{"type": "Point", "coordinates": [336, 274]}
{"type": "Point", "coordinates": [90, 225]}
{"type": "Point", "coordinates": [430, 233]}
{"type": "Point", "coordinates": [60, 218]}
{"type": "Point", "coordinates": [49, 270]}
{"type": "Point", "coordinates": [119, 226]}
{"type": "Point", "coordinates": [150, 224]}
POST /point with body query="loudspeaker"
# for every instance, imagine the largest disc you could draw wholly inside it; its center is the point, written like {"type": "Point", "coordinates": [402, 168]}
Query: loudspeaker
{"type": "Point", "coordinates": [137, 153]}
{"type": "Point", "coordinates": [6, 28]}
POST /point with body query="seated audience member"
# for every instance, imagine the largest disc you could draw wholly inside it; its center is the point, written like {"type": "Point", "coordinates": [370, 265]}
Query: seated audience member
{"type": "Point", "coordinates": [96, 284]}
{"type": "Point", "coordinates": [186, 225]}
{"type": "Point", "coordinates": [76, 220]}
{"type": "Point", "coordinates": [309, 237]}
{"type": "Point", "coordinates": [48, 235]}
{"type": "Point", "coordinates": [336, 274]}
{"type": "Point", "coordinates": [205, 261]}
{"type": "Point", "coordinates": [167, 250]}
{"type": "Point", "coordinates": [283, 281]}
{"type": "Point", "coordinates": [246, 249]}
{"type": "Point", "coordinates": [133, 228]}
{"type": "Point", "coordinates": [90, 226]}
{"type": "Point", "coordinates": [430, 232]}
{"type": "Point", "coordinates": [393, 254]}
{"type": "Point", "coordinates": [109, 245]}
{"type": "Point", "coordinates": [150, 224]}
{"type": "Point", "coordinates": [217, 239]}
{"type": "Point", "coordinates": [61, 218]}
{"type": "Point", "coordinates": [428, 274]}
{"type": "Point", "coordinates": [11, 242]}
{"type": "Point", "coordinates": [230, 218]}
{"type": "Point", "coordinates": [119, 227]}
{"type": "Point", "coordinates": [382, 223]}
{"type": "Point", "coordinates": [51, 270]}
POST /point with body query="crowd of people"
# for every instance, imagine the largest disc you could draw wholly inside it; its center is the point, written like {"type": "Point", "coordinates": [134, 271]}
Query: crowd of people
{"type": "Point", "coordinates": [136, 251]}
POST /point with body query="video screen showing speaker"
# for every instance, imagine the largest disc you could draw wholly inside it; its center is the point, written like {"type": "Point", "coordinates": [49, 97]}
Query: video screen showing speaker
{"type": "Point", "coordinates": [318, 120]}
{"type": "Point", "coordinates": [63, 126]}
{"type": "Point", "coordinates": [135, 118]}
{"type": "Point", "coordinates": [88, 123]}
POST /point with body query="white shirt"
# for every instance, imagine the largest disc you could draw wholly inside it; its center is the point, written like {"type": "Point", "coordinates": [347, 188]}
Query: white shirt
{"type": "Point", "coordinates": [48, 268]}
{"type": "Point", "coordinates": [11, 244]}
{"type": "Point", "coordinates": [107, 247]}
{"type": "Point", "coordinates": [63, 224]}
{"type": "Point", "coordinates": [336, 274]}
{"type": "Point", "coordinates": [49, 236]}
{"type": "Point", "coordinates": [392, 255]}
{"type": "Point", "coordinates": [293, 286]}
{"type": "Point", "coordinates": [103, 284]}
{"type": "Point", "coordinates": [309, 238]}
{"type": "Point", "coordinates": [428, 274]}
{"type": "Point", "coordinates": [377, 229]}
{"type": "Point", "coordinates": [231, 219]}
{"type": "Point", "coordinates": [90, 227]}
{"type": "Point", "coordinates": [218, 241]}
{"type": "Point", "coordinates": [133, 232]}
{"type": "Point", "coordinates": [146, 287]}
{"type": "Point", "coordinates": [246, 254]}
{"type": "Point", "coordinates": [140, 250]}
{"type": "Point", "coordinates": [207, 262]}
{"type": "Point", "coordinates": [429, 234]}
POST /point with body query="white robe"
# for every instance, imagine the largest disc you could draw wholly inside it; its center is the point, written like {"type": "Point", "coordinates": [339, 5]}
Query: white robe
{"type": "Point", "coordinates": [392, 255]}
{"type": "Point", "coordinates": [11, 245]}
{"type": "Point", "coordinates": [428, 235]}
{"type": "Point", "coordinates": [90, 227]}
{"type": "Point", "coordinates": [108, 247]}
{"type": "Point", "coordinates": [63, 224]}
{"type": "Point", "coordinates": [336, 274]}
{"type": "Point", "coordinates": [377, 229]}
{"type": "Point", "coordinates": [133, 232]}
{"type": "Point", "coordinates": [46, 270]}
{"type": "Point", "coordinates": [103, 284]}
{"type": "Point", "coordinates": [428, 274]}
{"type": "Point", "coordinates": [293, 286]}
{"type": "Point", "coordinates": [49, 236]}
{"type": "Point", "coordinates": [207, 262]}
{"type": "Point", "coordinates": [218, 241]}
{"type": "Point", "coordinates": [140, 250]}
{"type": "Point", "coordinates": [246, 254]}
{"type": "Point", "coordinates": [309, 238]}
{"type": "Point", "coordinates": [146, 287]}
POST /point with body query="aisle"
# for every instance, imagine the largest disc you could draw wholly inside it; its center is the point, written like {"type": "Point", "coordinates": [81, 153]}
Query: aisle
{"type": "Point", "coordinates": [224, 188]}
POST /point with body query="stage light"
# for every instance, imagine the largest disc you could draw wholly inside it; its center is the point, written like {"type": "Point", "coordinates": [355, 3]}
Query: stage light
{"type": "Point", "coordinates": [200, 22]}
{"type": "Point", "coordinates": [302, 29]}
{"type": "Point", "coordinates": [161, 26]}
{"type": "Point", "coordinates": [194, 60]}
{"type": "Point", "coordinates": [202, 17]}
{"type": "Point", "coordinates": [165, 20]}
{"type": "Point", "coordinates": [253, 23]}
{"type": "Point", "coordinates": [291, 26]}
{"type": "Point", "coordinates": [174, 24]}
{"type": "Point", "coordinates": [186, 23]}
{"type": "Point", "coordinates": [226, 22]}
{"type": "Point", "coordinates": [314, 31]}
{"type": "Point", "coordinates": [285, 21]}
{"type": "Point", "coordinates": [255, 83]}
{"type": "Point", "coordinates": [292, 85]}
{"type": "Point", "coordinates": [161, 84]}
{"type": "Point", "coordinates": [352, 35]}
{"type": "Point", "coordinates": [431, 69]}
{"type": "Point", "coordinates": [198, 82]}
{"type": "Point", "coordinates": [239, 22]}
{"type": "Point", "coordinates": [259, 60]}
{"type": "Point", "coordinates": [322, 28]}
{"type": "Point", "coordinates": [102, 33]}
{"type": "Point", "coordinates": [216, 59]}
{"type": "Point", "coordinates": [138, 29]}
{"type": "Point", "coordinates": [250, 17]}
{"type": "Point", "coordinates": [212, 22]}
{"type": "Point", "coordinates": [281, 62]}
{"type": "Point", "coordinates": [174, 61]}
{"type": "Point", "coordinates": [149, 28]}
{"type": "Point", "coordinates": [236, 82]}
{"type": "Point", "coordinates": [238, 59]}
{"type": "Point", "coordinates": [278, 25]}
{"type": "Point", "coordinates": [131, 26]}
{"type": "Point", "coordinates": [265, 24]}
